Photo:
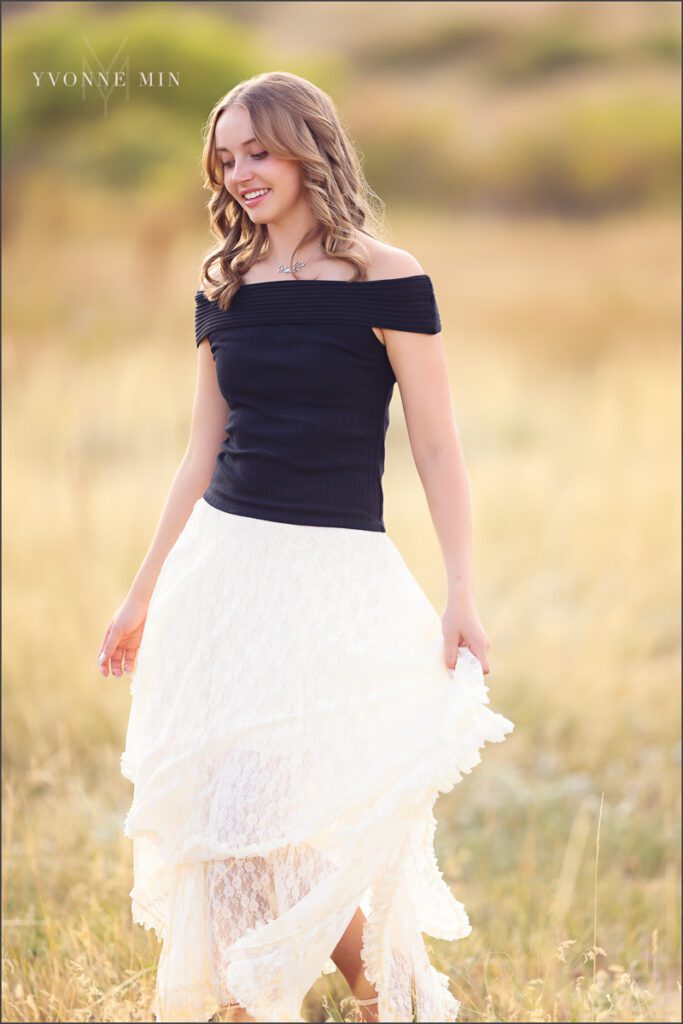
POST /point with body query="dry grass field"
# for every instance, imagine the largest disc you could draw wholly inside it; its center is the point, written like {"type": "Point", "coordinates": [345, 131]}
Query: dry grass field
{"type": "Point", "coordinates": [529, 156]}
{"type": "Point", "coordinates": [562, 342]}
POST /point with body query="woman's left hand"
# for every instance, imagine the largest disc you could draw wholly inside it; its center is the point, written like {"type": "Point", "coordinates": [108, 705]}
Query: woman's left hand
{"type": "Point", "coordinates": [461, 627]}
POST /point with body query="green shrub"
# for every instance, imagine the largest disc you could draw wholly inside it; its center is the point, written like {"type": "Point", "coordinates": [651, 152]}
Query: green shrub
{"type": "Point", "coordinates": [592, 157]}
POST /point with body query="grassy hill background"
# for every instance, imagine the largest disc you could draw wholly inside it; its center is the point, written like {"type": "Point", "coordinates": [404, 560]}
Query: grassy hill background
{"type": "Point", "coordinates": [528, 154]}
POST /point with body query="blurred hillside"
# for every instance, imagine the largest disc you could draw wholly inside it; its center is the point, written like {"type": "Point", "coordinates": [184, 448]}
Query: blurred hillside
{"type": "Point", "coordinates": [563, 107]}
{"type": "Point", "coordinates": [562, 339]}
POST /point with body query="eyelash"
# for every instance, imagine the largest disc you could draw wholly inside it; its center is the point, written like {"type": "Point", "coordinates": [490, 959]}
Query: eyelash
{"type": "Point", "coordinates": [256, 156]}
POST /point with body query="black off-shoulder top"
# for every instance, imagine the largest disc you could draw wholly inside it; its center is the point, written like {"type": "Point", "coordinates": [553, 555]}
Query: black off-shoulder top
{"type": "Point", "coordinates": [308, 385]}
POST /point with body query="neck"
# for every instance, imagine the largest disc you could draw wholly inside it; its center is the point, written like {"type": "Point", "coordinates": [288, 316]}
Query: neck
{"type": "Point", "coordinates": [285, 234]}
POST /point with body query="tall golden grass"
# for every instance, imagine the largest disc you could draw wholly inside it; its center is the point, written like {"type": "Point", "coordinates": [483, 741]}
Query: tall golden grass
{"type": "Point", "coordinates": [564, 367]}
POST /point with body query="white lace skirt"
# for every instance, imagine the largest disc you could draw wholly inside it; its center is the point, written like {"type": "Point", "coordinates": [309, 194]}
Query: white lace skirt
{"type": "Point", "coordinates": [292, 723]}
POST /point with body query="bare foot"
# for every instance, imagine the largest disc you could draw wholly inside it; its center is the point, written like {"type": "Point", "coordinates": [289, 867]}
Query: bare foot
{"type": "Point", "coordinates": [232, 1015]}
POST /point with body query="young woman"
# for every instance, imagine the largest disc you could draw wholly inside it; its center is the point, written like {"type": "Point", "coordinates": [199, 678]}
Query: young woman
{"type": "Point", "coordinates": [297, 702]}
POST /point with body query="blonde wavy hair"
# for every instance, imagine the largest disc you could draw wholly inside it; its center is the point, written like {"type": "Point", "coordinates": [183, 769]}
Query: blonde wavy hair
{"type": "Point", "coordinates": [293, 119]}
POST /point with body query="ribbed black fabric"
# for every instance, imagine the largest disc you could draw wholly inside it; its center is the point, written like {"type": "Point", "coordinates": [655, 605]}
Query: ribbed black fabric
{"type": "Point", "coordinates": [309, 386]}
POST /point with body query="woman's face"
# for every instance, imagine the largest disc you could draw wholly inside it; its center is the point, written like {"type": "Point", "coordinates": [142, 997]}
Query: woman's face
{"type": "Point", "coordinates": [247, 168]}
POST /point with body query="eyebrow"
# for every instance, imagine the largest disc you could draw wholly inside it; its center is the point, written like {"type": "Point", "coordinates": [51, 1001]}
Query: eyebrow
{"type": "Point", "coordinates": [222, 149]}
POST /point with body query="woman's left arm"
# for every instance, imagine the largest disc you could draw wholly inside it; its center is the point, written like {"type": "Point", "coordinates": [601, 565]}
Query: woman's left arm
{"type": "Point", "coordinates": [419, 364]}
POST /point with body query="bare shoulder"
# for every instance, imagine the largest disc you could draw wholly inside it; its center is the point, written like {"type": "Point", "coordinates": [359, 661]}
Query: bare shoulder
{"type": "Point", "coordinates": [387, 261]}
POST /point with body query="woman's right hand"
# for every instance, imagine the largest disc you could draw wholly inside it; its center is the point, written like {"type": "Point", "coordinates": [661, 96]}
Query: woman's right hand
{"type": "Point", "coordinates": [123, 636]}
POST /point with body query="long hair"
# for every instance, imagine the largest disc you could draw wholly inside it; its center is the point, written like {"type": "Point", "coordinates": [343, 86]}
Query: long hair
{"type": "Point", "coordinates": [293, 119]}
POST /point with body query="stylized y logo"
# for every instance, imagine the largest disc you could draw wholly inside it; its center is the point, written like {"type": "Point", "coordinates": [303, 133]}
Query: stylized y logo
{"type": "Point", "coordinates": [122, 70]}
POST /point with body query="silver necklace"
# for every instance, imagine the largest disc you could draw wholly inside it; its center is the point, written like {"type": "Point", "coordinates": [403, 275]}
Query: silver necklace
{"type": "Point", "coordinates": [297, 265]}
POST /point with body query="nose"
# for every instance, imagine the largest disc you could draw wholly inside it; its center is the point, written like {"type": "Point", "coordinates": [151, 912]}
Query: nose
{"type": "Point", "coordinates": [240, 173]}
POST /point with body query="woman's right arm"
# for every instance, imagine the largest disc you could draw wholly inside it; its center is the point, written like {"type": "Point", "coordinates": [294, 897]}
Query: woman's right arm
{"type": "Point", "coordinates": [209, 417]}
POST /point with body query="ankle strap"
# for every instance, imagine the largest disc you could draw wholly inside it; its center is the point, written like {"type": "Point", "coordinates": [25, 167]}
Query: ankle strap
{"type": "Point", "coordinates": [367, 1002]}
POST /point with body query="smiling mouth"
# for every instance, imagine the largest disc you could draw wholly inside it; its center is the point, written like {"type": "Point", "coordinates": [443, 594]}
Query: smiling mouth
{"type": "Point", "coordinates": [262, 193]}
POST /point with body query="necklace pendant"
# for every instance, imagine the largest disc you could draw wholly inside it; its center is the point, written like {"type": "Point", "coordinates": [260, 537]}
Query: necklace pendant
{"type": "Point", "coordinates": [298, 265]}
